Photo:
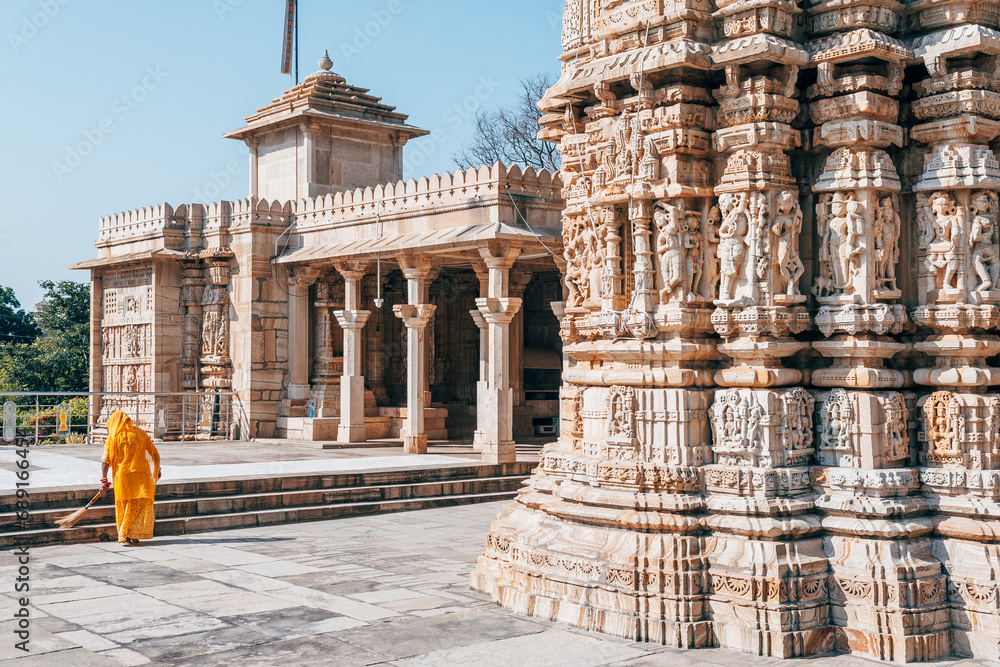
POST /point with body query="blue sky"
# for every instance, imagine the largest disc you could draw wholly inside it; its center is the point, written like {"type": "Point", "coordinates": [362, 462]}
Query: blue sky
{"type": "Point", "coordinates": [110, 105]}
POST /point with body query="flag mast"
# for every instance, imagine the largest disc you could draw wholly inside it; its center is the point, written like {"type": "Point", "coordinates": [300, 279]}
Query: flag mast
{"type": "Point", "coordinates": [290, 39]}
{"type": "Point", "coordinates": [296, 41]}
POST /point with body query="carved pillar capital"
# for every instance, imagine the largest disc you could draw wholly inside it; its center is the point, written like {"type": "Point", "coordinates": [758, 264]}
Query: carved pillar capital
{"type": "Point", "coordinates": [498, 311]}
{"type": "Point", "coordinates": [351, 270]}
{"type": "Point", "coordinates": [303, 276]}
{"type": "Point", "coordinates": [499, 255]}
{"type": "Point", "coordinates": [352, 319]}
{"type": "Point", "coordinates": [414, 316]}
{"type": "Point", "coordinates": [414, 266]}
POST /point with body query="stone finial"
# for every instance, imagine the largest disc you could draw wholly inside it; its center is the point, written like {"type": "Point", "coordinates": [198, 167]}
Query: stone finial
{"type": "Point", "coordinates": [325, 63]}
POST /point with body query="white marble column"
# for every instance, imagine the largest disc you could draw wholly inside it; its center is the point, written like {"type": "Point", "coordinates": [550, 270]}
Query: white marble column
{"type": "Point", "coordinates": [495, 416]}
{"type": "Point", "coordinates": [298, 331]}
{"type": "Point", "coordinates": [415, 315]}
{"type": "Point", "coordinates": [352, 383]}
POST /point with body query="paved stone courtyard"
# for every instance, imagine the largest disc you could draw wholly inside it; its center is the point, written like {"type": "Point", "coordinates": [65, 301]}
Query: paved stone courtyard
{"type": "Point", "coordinates": [378, 590]}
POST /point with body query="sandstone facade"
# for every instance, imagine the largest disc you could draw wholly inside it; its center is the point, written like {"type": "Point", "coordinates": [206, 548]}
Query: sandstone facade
{"type": "Point", "coordinates": [779, 424]}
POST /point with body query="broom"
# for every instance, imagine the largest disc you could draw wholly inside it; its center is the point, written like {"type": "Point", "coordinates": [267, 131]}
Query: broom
{"type": "Point", "coordinates": [74, 518]}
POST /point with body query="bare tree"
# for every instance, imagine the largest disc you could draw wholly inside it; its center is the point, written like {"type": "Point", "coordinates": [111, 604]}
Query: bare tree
{"type": "Point", "coordinates": [509, 134]}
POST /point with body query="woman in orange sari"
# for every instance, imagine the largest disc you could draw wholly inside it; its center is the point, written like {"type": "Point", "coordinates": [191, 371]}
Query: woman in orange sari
{"type": "Point", "coordinates": [135, 467]}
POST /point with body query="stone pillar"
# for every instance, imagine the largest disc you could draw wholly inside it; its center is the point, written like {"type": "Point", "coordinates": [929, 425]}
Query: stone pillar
{"type": "Point", "coordinates": [307, 176]}
{"type": "Point", "coordinates": [374, 333]}
{"type": "Point", "coordinates": [887, 591]}
{"type": "Point", "coordinates": [415, 315]}
{"type": "Point", "coordinates": [484, 349]}
{"type": "Point", "coordinates": [958, 268]}
{"type": "Point", "coordinates": [324, 370]}
{"type": "Point", "coordinates": [352, 385]}
{"type": "Point", "coordinates": [768, 572]}
{"type": "Point", "coordinates": [191, 295]}
{"type": "Point", "coordinates": [98, 349]}
{"type": "Point", "coordinates": [299, 282]}
{"type": "Point", "coordinates": [608, 535]}
{"type": "Point", "coordinates": [216, 364]}
{"type": "Point", "coordinates": [519, 281]}
{"type": "Point", "coordinates": [484, 371]}
{"type": "Point", "coordinates": [494, 418]}
{"type": "Point", "coordinates": [254, 145]}
{"type": "Point", "coordinates": [644, 297]}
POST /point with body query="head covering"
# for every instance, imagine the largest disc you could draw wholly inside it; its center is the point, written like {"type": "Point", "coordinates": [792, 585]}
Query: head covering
{"type": "Point", "coordinates": [117, 422]}
{"type": "Point", "coordinates": [127, 445]}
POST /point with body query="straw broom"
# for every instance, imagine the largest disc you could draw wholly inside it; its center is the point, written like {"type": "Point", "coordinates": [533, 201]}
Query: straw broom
{"type": "Point", "coordinates": [74, 518]}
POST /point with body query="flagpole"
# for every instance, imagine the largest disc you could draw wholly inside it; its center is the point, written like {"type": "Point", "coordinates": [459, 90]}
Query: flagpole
{"type": "Point", "coordinates": [296, 42]}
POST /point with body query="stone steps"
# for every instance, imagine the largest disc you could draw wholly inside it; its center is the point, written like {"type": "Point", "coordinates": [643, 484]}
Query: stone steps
{"type": "Point", "coordinates": [188, 507]}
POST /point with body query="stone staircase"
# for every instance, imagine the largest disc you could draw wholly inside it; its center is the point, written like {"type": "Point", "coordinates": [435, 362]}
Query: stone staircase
{"type": "Point", "coordinates": [204, 505]}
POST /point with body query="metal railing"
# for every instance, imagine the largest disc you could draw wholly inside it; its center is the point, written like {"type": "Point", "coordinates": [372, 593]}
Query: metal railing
{"type": "Point", "coordinates": [75, 418]}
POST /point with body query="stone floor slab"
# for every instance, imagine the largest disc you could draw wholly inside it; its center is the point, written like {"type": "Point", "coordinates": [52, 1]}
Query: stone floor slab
{"type": "Point", "coordinates": [548, 649]}
{"type": "Point", "coordinates": [375, 590]}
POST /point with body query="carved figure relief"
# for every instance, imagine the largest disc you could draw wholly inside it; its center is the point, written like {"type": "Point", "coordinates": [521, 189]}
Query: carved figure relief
{"type": "Point", "coordinates": [983, 240]}
{"type": "Point", "coordinates": [577, 414]}
{"type": "Point", "coordinates": [886, 229]}
{"type": "Point", "coordinates": [947, 223]}
{"type": "Point", "coordinates": [961, 430]}
{"type": "Point", "coordinates": [960, 245]}
{"type": "Point", "coordinates": [584, 270]}
{"type": "Point", "coordinates": [836, 421]}
{"type": "Point", "coordinates": [842, 440]}
{"type": "Point", "coordinates": [132, 341]}
{"type": "Point", "coordinates": [786, 228]}
{"type": "Point", "coordinates": [769, 428]}
{"type": "Point", "coordinates": [681, 251]}
{"type": "Point", "coordinates": [841, 222]}
{"type": "Point", "coordinates": [621, 414]}
{"type": "Point", "coordinates": [215, 321]}
{"type": "Point", "coordinates": [736, 214]}
{"type": "Point", "coordinates": [894, 431]}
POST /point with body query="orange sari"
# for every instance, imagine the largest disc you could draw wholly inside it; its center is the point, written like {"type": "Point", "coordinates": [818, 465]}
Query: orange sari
{"type": "Point", "coordinates": [135, 467]}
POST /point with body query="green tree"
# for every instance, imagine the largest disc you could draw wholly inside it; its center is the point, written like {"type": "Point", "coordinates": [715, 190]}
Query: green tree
{"type": "Point", "coordinates": [16, 326]}
{"type": "Point", "coordinates": [59, 359]}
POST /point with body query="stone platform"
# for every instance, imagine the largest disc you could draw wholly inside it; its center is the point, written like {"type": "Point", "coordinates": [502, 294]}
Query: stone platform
{"type": "Point", "coordinates": [78, 466]}
{"type": "Point", "coordinates": [384, 590]}
{"type": "Point", "coordinates": [240, 485]}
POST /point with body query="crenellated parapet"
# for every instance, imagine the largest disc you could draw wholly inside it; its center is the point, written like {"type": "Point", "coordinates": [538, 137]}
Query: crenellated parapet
{"type": "Point", "coordinates": [460, 191]}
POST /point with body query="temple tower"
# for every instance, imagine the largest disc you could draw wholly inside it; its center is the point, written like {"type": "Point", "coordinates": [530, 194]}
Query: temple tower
{"type": "Point", "coordinates": [608, 535]}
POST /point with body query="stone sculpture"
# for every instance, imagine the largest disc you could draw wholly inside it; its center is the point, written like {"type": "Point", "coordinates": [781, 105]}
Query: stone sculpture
{"type": "Point", "coordinates": [705, 489]}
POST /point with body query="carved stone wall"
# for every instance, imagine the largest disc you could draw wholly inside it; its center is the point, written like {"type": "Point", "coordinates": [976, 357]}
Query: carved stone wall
{"type": "Point", "coordinates": [779, 415]}
{"type": "Point", "coordinates": [126, 335]}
